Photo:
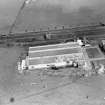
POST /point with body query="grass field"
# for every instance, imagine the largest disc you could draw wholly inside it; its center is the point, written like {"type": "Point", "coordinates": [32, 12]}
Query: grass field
{"type": "Point", "coordinates": [33, 89]}
{"type": "Point", "coordinates": [93, 53]}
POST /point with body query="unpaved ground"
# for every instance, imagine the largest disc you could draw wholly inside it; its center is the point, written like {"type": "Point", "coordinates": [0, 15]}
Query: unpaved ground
{"type": "Point", "coordinates": [31, 89]}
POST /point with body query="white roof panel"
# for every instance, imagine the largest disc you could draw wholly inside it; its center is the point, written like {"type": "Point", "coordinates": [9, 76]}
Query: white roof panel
{"type": "Point", "coordinates": [54, 52]}
{"type": "Point", "coordinates": [63, 45]}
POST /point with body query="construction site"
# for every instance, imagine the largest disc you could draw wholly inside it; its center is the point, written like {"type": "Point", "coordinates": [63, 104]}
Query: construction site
{"type": "Point", "coordinates": [62, 65]}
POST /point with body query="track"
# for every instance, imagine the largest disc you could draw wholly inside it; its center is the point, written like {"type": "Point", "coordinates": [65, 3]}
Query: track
{"type": "Point", "coordinates": [56, 36]}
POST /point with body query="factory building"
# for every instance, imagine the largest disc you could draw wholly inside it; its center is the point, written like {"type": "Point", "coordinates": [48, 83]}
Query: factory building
{"type": "Point", "coordinates": [57, 55]}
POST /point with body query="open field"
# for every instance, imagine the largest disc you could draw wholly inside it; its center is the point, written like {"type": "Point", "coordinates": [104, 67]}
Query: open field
{"type": "Point", "coordinates": [33, 88]}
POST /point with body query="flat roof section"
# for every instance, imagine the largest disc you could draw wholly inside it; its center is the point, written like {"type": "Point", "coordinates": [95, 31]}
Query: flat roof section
{"type": "Point", "coordinates": [54, 52]}
{"type": "Point", "coordinates": [63, 45]}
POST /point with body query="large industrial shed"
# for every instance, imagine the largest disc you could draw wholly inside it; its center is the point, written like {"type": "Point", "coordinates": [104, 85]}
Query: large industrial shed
{"type": "Point", "coordinates": [40, 57]}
